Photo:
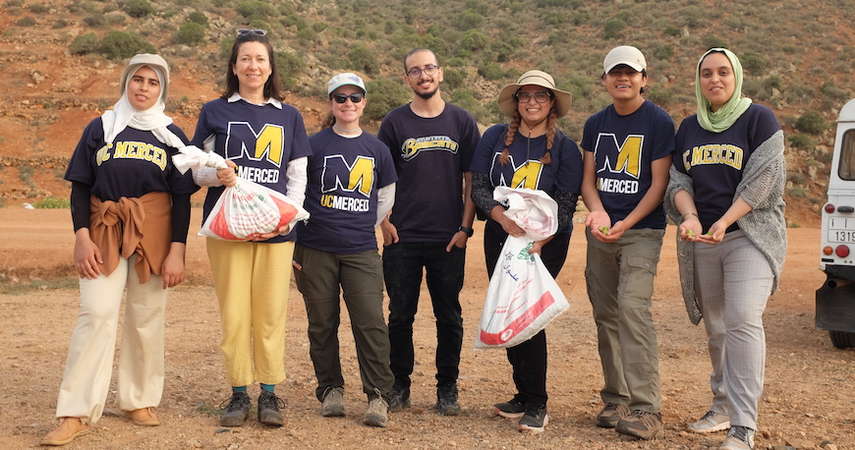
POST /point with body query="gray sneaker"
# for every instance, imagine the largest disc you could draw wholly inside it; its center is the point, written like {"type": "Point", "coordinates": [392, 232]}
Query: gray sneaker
{"type": "Point", "coordinates": [237, 410]}
{"type": "Point", "coordinates": [641, 424]}
{"type": "Point", "coordinates": [711, 422]}
{"type": "Point", "coordinates": [378, 412]}
{"type": "Point", "coordinates": [333, 404]}
{"type": "Point", "coordinates": [738, 438]}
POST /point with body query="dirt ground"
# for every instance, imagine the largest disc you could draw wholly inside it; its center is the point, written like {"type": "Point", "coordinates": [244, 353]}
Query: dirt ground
{"type": "Point", "coordinates": [808, 400]}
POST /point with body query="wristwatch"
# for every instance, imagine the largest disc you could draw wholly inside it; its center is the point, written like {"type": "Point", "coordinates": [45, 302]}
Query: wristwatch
{"type": "Point", "coordinates": [469, 231]}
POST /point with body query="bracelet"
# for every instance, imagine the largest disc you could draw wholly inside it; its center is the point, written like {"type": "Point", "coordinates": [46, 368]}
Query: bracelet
{"type": "Point", "coordinates": [469, 231]}
{"type": "Point", "coordinates": [690, 214]}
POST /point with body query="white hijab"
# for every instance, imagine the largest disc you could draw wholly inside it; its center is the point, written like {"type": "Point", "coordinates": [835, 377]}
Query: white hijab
{"type": "Point", "coordinates": [153, 119]}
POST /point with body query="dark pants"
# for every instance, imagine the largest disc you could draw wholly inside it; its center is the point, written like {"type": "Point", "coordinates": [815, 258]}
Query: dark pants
{"type": "Point", "coordinates": [527, 359]}
{"type": "Point", "coordinates": [402, 271]}
{"type": "Point", "coordinates": [361, 279]}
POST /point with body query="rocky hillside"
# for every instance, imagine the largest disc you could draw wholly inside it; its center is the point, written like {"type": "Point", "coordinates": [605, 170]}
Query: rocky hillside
{"type": "Point", "coordinates": [60, 61]}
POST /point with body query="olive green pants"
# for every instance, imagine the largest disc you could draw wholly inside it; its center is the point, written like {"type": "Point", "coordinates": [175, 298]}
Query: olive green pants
{"type": "Point", "coordinates": [619, 277]}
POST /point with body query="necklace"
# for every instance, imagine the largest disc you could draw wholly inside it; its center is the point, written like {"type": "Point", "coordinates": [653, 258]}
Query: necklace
{"type": "Point", "coordinates": [351, 132]}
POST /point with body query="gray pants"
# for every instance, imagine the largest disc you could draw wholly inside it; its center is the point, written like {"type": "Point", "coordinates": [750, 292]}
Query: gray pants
{"type": "Point", "coordinates": [360, 276]}
{"type": "Point", "coordinates": [620, 283]}
{"type": "Point", "coordinates": [733, 280]}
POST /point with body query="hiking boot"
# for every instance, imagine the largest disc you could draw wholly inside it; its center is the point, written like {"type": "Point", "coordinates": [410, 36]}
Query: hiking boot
{"type": "Point", "coordinates": [446, 401]}
{"type": "Point", "coordinates": [399, 398]}
{"type": "Point", "coordinates": [710, 422]}
{"type": "Point", "coordinates": [534, 420]}
{"type": "Point", "coordinates": [511, 409]}
{"type": "Point", "coordinates": [144, 417]}
{"type": "Point", "coordinates": [377, 414]}
{"type": "Point", "coordinates": [268, 409]}
{"type": "Point", "coordinates": [611, 414]}
{"type": "Point", "coordinates": [641, 424]}
{"type": "Point", "coordinates": [69, 429]}
{"type": "Point", "coordinates": [333, 404]}
{"type": "Point", "coordinates": [236, 412]}
{"type": "Point", "coordinates": [738, 438]}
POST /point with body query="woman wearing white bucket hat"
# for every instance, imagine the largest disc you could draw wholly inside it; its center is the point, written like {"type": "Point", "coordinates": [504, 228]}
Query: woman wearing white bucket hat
{"type": "Point", "coordinates": [350, 190]}
{"type": "Point", "coordinates": [529, 152]}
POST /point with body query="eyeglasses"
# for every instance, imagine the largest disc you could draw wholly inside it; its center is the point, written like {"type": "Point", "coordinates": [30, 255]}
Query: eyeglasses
{"type": "Point", "coordinates": [355, 98]}
{"type": "Point", "coordinates": [428, 70]}
{"type": "Point", "coordinates": [539, 96]}
{"type": "Point", "coordinates": [250, 31]}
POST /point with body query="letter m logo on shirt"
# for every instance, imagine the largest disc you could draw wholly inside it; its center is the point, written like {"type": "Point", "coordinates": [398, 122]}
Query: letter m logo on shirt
{"type": "Point", "coordinates": [526, 175]}
{"type": "Point", "coordinates": [624, 158]}
{"type": "Point", "coordinates": [268, 143]}
{"type": "Point", "coordinates": [356, 177]}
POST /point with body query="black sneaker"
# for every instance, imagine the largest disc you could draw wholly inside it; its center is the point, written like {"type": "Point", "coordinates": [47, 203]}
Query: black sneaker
{"type": "Point", "coordinates": [512, 409]}
{"type": "Point", "coordinates": [237, 410]}
{"type": "Point", "coordinates": [268, 409]}
{"type": "Point", "coordinates": [446, 401]}
{"type": "Point", "coordinates": [399, 398]}
{"type": "Point", "coordinates": [534, 420]}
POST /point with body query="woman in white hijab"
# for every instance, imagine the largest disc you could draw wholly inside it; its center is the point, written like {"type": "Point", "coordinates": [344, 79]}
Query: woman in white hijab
{"type": "Point", "coordinates": [131, 210]}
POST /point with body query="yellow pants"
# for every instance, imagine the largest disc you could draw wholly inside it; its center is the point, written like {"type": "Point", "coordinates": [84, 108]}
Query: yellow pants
{"type": "Point", "coordinates": [89, 366]}
{"type": "Point", "coordinates": [252, 281]}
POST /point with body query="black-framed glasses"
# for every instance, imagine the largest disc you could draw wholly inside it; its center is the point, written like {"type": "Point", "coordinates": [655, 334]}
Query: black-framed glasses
{"type": "Point", "coordinates": [428, 70]}
{"type": "Point", "coordinates": [539, 96]}
{"type": "Point", "coordinates": [251, 31]}
{"type": "Point", "coordinates": [354, 98]}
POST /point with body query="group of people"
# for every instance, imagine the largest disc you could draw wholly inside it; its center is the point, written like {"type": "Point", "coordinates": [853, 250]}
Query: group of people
{"type": "Point", "coordinates": [423, 180]}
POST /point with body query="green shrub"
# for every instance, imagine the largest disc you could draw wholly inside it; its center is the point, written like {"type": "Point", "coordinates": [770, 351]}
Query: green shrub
{"type": "Point", "coordinates": [95, 20]}
{"type": "Point", "coordinates": [385, 95]}
{"type": "Point", "coordinates": [833, 92]}
{"type": "Point", "coordinates": [801, 141]}
{"type": "Point", "coordinates": [137, 8]}
{"type": "Point", "coordinates": [52, 203]}
{"type": "Point", "coordinates": [811, 122]}
{"type": "Point", "coordinates": [254, 8]}
{"type": "Point", "coordinates": [613, 28]}
{"type": "Point", "coordinates": [38, 8]}
{"type": "Point", "coordinates": [115, 19]}
{"type": "Point", "coordinates": [61, 23]}
{"type": "Point", "coordinates": [453, 78]}
{"type": "Point", "coordinates": [661, 95]}
{"type": "Point", "coordinates": [712, 40]}
{"type": "Point", "coordinates": [84, 43]}
{"type": "Point", "coordinates": [362, 59]}
{"type": "Point", "coordinates": [663, 52]}
{"type": "Point", "coordinates": [468, 20]}
{"type": "Point", "coordinates": [491, 71]}
{"type": "Point", "coordinates": [672, 31]}
{"type": "Point", "coordinates": [119, 45]}
{"type": "Point", "coordinates": [198, 17]}
{"type": "Point", "coordinates": [474, 40]}
{"type": "Point", "coordinates": [190, 33]}
{"type": "Point", "coordinates": [289, 66]}
{"type": "Point", "coordinates": [25, 21]}
{"type": "Point", "coordinates": [754, 63]}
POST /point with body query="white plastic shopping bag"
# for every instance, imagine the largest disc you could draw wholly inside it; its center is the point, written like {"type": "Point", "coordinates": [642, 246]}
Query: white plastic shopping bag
{"type": "Point", "coordinates": [245, 209]}
{"type": "Point", "coordinates": [522, 297]}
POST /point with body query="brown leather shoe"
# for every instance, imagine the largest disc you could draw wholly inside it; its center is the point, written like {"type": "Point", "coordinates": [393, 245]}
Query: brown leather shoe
{"type": "Point", "coordinates": [144, 417]}
{"type": "Point", "coordinates": [68, 430]}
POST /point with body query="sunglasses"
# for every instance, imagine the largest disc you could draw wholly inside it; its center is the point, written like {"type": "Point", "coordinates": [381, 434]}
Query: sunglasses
{"type": "Point", "coordinates": [251, 31]}
{"type": "Point", "coordinates": [355, 98]}
{"type": "Point", "coordinates": [539, 96]}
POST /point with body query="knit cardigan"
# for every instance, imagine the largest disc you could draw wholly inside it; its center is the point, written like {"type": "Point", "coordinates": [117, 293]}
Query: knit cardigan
{"type": "Point", "coordinates": [762, 187]}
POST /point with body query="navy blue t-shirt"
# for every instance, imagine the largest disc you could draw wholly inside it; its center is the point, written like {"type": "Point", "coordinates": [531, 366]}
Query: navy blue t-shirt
{"type": "Point", "coordinates": [135, 164]}
{"type": "Point", "coordinates": [259, 139]}
{"type": "Point", "coordinates": [524, 169]}
{"type": "Point", "coordinates": [715, 161]}
{"type": "Point", "coordinates": [341, 195]}
{"type": "Point", "coordinates": [624, 149]}
{"type": "Point", "coordinates": [430, 156]}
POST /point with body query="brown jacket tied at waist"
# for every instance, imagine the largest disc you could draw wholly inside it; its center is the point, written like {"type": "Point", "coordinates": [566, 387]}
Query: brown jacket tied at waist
{"type": "Point", "coordinates": [138, 225]}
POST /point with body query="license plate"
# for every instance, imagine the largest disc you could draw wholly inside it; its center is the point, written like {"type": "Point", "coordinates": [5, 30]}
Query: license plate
{"type": "Point", "coordinates": [847, 236]}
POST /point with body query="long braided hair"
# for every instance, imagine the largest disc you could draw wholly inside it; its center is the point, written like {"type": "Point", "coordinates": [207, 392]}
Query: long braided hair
{"type": "Point", "coordinates": [514, 125]}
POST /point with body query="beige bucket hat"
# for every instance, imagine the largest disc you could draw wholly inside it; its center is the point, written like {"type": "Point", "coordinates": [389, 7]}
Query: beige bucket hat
{"type": "Point", "coordinates": [508, 104]}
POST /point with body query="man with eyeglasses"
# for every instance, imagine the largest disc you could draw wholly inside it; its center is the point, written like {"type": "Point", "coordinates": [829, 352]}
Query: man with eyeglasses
{"type": "Point", "coordinates": [432, 143]}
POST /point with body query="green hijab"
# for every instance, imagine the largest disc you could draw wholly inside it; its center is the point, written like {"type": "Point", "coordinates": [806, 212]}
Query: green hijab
{"type": "Point", "coordinates": [718, 121]}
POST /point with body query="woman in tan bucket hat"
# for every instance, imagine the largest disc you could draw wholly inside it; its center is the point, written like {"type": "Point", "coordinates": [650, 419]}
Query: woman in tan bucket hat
{"type": "Point", "coordinates": [529, 152]}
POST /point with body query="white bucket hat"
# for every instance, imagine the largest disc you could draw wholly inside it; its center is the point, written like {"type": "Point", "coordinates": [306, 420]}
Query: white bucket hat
{"type": "Point", "coordinates": [508, 104]}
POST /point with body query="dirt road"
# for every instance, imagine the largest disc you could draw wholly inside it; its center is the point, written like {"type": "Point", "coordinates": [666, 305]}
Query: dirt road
{"type": "Point", "coordinates": [808, 398]}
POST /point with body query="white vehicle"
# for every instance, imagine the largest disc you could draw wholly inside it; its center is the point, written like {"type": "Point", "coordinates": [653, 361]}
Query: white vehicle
{"type": "Point", "coordinates": [835, 300]}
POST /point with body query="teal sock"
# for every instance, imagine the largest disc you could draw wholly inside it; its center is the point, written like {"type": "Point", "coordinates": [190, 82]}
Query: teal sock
{"type": "Point", "coordinates": [268, 387]}
{"type": "Point", "coordinates": [239, 389]}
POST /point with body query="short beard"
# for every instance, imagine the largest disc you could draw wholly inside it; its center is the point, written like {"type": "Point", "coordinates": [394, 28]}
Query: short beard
{"type": "Point", "coordinates": [427, 95]}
